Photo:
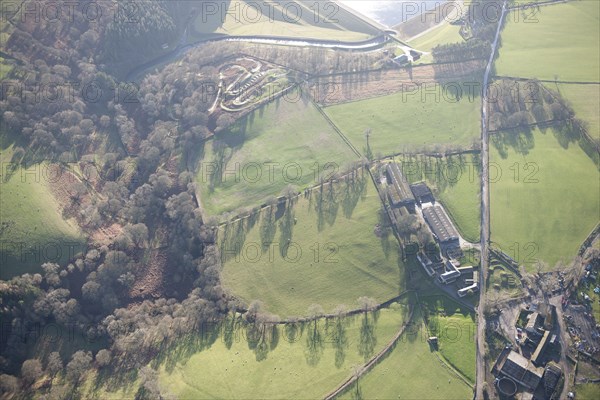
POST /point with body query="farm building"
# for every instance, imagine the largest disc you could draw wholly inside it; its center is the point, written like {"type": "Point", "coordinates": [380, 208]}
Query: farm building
{"type": "Point", "coordinates": [426, 263]}
{"type": "Point", "coordinates": [475, 277]}
{"type": "Point", "coordinates": [538, 354]}
{"type": "Point", "coordinates": [552, 375]}
{"type": "Point", "coordinates": [397, 214]}
{"type": "Point", "coordinates": [441, 226]}
{"type": "Point", "coordinates": [465, 291]}
{"type": "Point", "coordinates": [547, 312]}
{"type": "Point", "coordinates": [520, 369]}
{"type": "Point", "coordinates": [451, 274]}
{"type": "Point", "coordinates": [467, 269]}
{"type": "Point", "coordinates": [401, 59]}
{"type": "Point", "coordinates": [534, 321]}
{"type": "Point", "coordinates": [399, 192]}
{"type": "Point", "coordinates": [472, 283]}
{"type": "Point", "coordinates": [422, 193]}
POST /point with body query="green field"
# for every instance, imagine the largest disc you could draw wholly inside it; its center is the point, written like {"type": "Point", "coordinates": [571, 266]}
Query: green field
{"type": "Point", "coordinates": [552, 43]}
{"type": "Point", "coordinates": [461, 200]}
{"type": "Point", "coordinates": [457, 343]}
{"type": "Point", "coordinates": [585, 100]}
{"type": "Point", "coordinates": [291, 370]}
{"type": "Point", "coordinates": [588, 391]}
{"type": "Point", "coordinates": [32, 229]}
{"type": "Point", "coordinates": [444, 33]}
{"type": "Point", "coordinates": [287, 362]}
{"type": "Point", "coordinates": [287, 142]}
{"type": "Point", "coordinates": [455, 182]}
{"type": "Point", "coordinates": [411, 371]}
{"type": "Point", "coordinates": [455, 328]}
{"type": "Point", "coordinates": [409, 121]}
{"type": "Point", "coordinates": [334, 256]}
{"type": "Point", "coordinates": [546, 201]}
{"type": "Point", "coordinates": [299, 19]}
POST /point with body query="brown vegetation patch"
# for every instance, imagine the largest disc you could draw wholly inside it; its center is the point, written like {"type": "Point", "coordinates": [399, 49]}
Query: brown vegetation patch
{"type": "Point", "coordinates": [360, 86]}
{"type": "Point", "coordinates": [150, 276]}
{"type": "Point", "coordinates": [105, 235]}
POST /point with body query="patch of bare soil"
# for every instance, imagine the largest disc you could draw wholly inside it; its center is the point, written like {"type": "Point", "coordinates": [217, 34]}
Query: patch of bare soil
{"type": "Point", "coordinates": [150, 271]}
{"type": "Point", "coordinates": [150, 276]}
{"type": "Point", "coordinates": [105, 235]}
{"type": "Point", "coordinates": [360, 86]}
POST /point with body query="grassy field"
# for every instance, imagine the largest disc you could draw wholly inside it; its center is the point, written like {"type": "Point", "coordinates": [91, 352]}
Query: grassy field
{"type": "Point", "coordinates": [287, 142]}
{"type": "Point", "coordinates": [32, 229]}
{"type": "Point", "coordinates": [547, 210]}
{"type": "Point", "coordinates": [299, 19]}
{"type": "Point", "coordinates": [405, 121]}
{"type": "Point", "coordinates": [455, 182]}
{"type": "Point", "coordinates": [288, 362]}
{"type": "Point", "coordinates": [411, 371]}
{"type": "Point", "coordinates": [455, 328]}
{"type": "Point", "coordinates": [588, 391]}
{"type": "Point", "coordinates": [585, 100]}
{"type": "Point", "coordinates": [457, 342]}
{"type": "Point", "coordinates": [444, 33]}
{"type": "Point", "coordinates": [462, 201]}
{"type": "Point", "coordinates": [290, 370]}
{"type": "Point", "coordinates": [333, 256]}
{"type": "Point", "coordinates": [552, 43]}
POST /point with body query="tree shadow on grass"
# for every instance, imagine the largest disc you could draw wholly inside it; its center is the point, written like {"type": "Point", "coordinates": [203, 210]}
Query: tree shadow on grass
{"type": "Point", "coordinates": [116, 378]}
{"type": "Point", "coordinates": [268, 227]}
{"type": "Point", "coordinates": [252, 219]}
{"type": "Point", "coordinates": [182, 349]}
{"type": "Point", "coordinates": [383, 230]}
{"type": "Point", "coordinates": [355, 189]}
{"type": "Point", "coordinates": [520, 140]}
{"type": "Point", "coordinates": [231, 330]}
{"type": "Point", "coordinates": [286, 228]}
{"type": "Point", "coordinates": [567, 133]}
{"type": "Point", "coordinates": [368, 338]}
{"type": "Point", "coordinates": [314, 343]}
{"type": "Point", "coordinates": [339, 338]}
{"type": "Point", "coordinates": [234, 237]}
{"type": "Point", "coordinates": [262, 338]}
{"type": "Point", "coordinates": [326, 205]}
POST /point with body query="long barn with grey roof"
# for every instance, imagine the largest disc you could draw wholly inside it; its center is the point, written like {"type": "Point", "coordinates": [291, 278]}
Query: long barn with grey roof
{"type": "Point", "coordinates": [399, 192]}
{"type": "Point", "coordinates": [440, 225]}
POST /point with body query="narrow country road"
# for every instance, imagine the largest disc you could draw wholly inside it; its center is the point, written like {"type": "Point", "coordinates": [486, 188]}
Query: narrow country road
{"type": "Point", "coordinates": [564, 340]}
{"type": "Point", "coordinates": [485, 220]}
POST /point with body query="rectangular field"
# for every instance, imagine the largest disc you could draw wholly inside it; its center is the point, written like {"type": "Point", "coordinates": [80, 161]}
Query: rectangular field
{"type": "Point", "coordinates": [286, 142]}
{"type": "Point", "coordinates": [455, 329]}
{"type": "Point", "coordinates": [544, 198]}
{"type": "Point", "coordinates": [323, 249]}
{"type": "Point", "coordinates": [554, 42]}
{"type": "Point", "coordinates": [346, 88]}
{"type": "Point", "coordinates": [429, 118]}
